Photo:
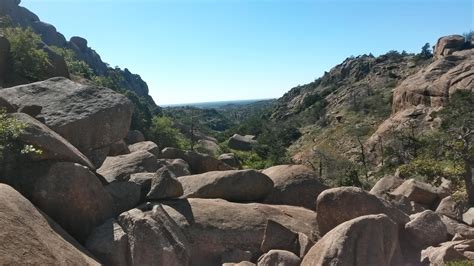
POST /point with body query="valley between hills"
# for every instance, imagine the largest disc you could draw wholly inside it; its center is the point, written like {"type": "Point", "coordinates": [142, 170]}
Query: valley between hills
{"type": "Point", "coordinates": [369, 164]}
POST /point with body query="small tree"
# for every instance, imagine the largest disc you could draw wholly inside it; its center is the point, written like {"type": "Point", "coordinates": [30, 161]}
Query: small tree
{"type": "Point", "coordinates": [458, 123]}
{"type": "Point", "coordinates": [426, 51]}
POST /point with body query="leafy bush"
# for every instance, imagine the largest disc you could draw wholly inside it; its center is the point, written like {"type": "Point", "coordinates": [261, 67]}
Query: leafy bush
{"type": "Point", "coordinates": [10, 129]}
{"type": "Point", "coordinates": [10, 148]}
{"type": "Point", "coordinates": [460, 263]}
{"type": "Point", "coordinates": [28, 60]}
{"type": "Point", "coordinates": [251, 160]}
{"type": "Point", "coordinates": [431, 170]}
{"type": "Point", "coordinates": [165, 135]}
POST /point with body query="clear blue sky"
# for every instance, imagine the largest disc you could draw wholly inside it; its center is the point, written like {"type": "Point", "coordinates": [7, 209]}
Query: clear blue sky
{"type": "Point", "coordinates": [211, 50]}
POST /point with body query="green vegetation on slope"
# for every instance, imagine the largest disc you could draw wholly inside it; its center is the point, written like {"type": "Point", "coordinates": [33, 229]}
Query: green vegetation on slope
{"type": "Point", "coordinates": [27, 59]}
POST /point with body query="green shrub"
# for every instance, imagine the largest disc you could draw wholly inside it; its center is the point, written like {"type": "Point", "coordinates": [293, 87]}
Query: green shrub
{"type": "Point", "coordinates": [10, 129]}
{"type": "Point", "coordinates": [28, 60]}
{"type": "Point", "coordinates": [459, 263]}
{"type": "Point", "coordinates": [10, 148]}
{"type": "Point", "coordinates": [165, 135]}
{"type": "Point", "coordinates": [251, 160]}
{"type": "Point", "coordinates": [431, 170]}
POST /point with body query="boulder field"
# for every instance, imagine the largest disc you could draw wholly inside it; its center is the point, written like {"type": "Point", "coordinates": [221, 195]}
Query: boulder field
{"type": "Point", "coordinates": [111, 197]}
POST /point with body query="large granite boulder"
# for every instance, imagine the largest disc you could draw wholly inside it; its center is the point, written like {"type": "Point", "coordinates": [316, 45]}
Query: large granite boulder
{"type": "Point", "coordinates": [91, 118]}
{"type": "Point", "coordinates": [366, 240]}
{"type": "Point", "coordinates": [279, 237]}
{"type": "Point", "coordinates": [242, 143]}
{"type": "Point", "coordinates": [28, 237]}
{"type": "Point", "coordinates": [426, 229]}
{"type": "Point", "coordinates": [67, 192]}
{"type": "Point", "coordinates": [208, 147]}
{"type": "Point", "coordinates": [53, 146]}
{"type": "Point", "coordinates": [155, 238]}
{"type": "Point", "coordinates": [109, 243]}
{"type": "Point", "coordinates": [418, 192]}
{"type": "Point", "coordinates": [295, 185]}
{"type": "Point", "coordinates": [337, 205]}
{"type": "Point", "coordinates": [126, 195]}
{"type": "Point", "coordinates": [233, 185]}
{"type": "Point", "coordinates": [119, 168]}
{"type": "Point", "coordinates": [215, 226]}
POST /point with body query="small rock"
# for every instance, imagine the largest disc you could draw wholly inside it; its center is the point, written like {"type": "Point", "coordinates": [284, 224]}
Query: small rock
{"type": "Point", "coordinates": [148, 146]}
{"type": "Point", "coordinates": [279, 258]}
{"type": "Point", "coordinates": [165, 186]}
{"type": "Point", "coordinates": [277, 236]}
{"type": "Point", "coordinates": [449, 207]}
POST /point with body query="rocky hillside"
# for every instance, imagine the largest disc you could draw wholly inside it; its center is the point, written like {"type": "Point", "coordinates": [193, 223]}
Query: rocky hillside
{"type": "Point", "coordinates": [355, 105]}
{"type": "Point", "coordinates": [72, 59]}
{"type": "Point", "coordinates": [347, 103]}
{"type": "Point", "coordinates": [417, 99]}
{"type": "Point", "coordinates": [70, 195]}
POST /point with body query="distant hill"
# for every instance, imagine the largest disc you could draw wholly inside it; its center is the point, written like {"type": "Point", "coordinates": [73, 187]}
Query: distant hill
{"type": "Point", "coordinates": [218, 104]}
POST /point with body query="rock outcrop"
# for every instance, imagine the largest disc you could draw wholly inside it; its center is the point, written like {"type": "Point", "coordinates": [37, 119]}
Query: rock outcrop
{"type": "Point", "coordinates": [90, 118]}
{"type": "Point", "coordinates": [448, 45]}
{"type": "Point", "coordinates": [428, 90]}
{"type": "Point", "coordinates": [30, 237]}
